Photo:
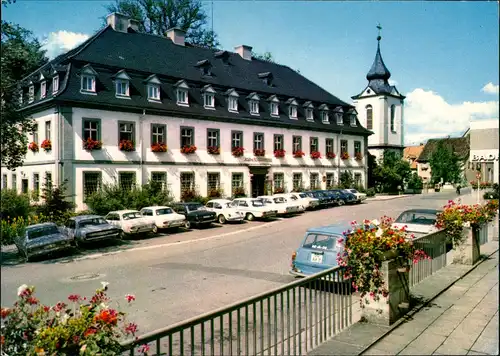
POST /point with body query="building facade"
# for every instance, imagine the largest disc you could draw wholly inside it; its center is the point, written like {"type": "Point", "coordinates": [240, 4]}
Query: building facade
{"type": "Point", "coordinates": [411, 154]}
{"type": "Point", "coordinates": [484, 149]}
{"type": "Point", "coordinates": [380, 109]}
{"type": "Point", "coordinates": [126, 107]}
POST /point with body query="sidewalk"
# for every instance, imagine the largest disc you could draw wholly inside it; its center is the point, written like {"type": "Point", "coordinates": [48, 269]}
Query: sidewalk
{"type": "Point", "coordinates": [461, 321]}
{"type": "Point", "coordinates": [388, 197]}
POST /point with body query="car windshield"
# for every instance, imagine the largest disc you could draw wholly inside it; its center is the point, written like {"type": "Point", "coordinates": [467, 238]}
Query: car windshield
{"type": "Point", "coordinates": [228, 205]}
{"type": "Point", "coordinates": [164, 211]}
{"type": "Point", "coordinates": [38, 232]}
{"type": "Point", "coordinates": [417, 217]}
{"type": "Point", "coordinates": [322, 242]}
{"type": "Point", "coordinates": [267, 201]}
{"type": "Point", "coordinates": [257, 202]}
{"type": "Point", "coordinates": [293, 197]}
{"type": "Point", "coordinates": [352, 190]}
{"type": "Point", "coordinates": [303, 195]}
{"type": "Point", "coordinates": [279, 200]}
{"type": "Point", "coordinates": [133, 215]}
{"type": "Point", "coordinates": [90, 222]}
{"type": "Point", "coordinates": [194, 207]}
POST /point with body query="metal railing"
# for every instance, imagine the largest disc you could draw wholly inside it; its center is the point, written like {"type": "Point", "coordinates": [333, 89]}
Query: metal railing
{"type": "Point", "coordinates": [435, 246]}
{"type": "Point", "coordinates": [289, 320]}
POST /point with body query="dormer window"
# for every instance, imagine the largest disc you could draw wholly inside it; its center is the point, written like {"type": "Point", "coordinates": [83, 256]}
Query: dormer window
{"type": "Point", "coordinates": [325, 118]}
{"type": "Point", "coordinates": [232, 100]}
{"type": "Point", "coordinates": [274, 105]}
{"type": "Point", "coordinates": [308, 106]}
{"type": "Point", "coordinates": [292, 108]}
{"type": "Point", "coordinates": [205, 67]}
{"type": "Point", "coordinates": [55, 84]}
{"type": "Point", "coordinates": [182, 93]}
{"type": "Point", "coordinates": [88, 75]}
{"type": "Point", "coordinates": [122, 85]}
{"type": "Point", "coordinates": [352, 116]}
{"type": "Point", "coordinates": [253, 103]}
{"type": "Point", "coordinates": [43, 89]}
{"type": "Point", "coordinates": [208, 97]}
{"type": "Point", "coordinates": [267, 78]}
{"type": "Point", "coordinates": [153, 88]}
{"type": "Point", "coordinates": [339, 115]}
{"type": "Point", "coordinates": [31, 93]}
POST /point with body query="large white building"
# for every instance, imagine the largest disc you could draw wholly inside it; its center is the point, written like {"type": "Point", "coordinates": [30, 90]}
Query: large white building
{"type": "Point", "coordinates": [380, 108]}
{"type": "Point", "coordinates": [484, 149]}
{"type": "Point", "coordinates": [108, 104]}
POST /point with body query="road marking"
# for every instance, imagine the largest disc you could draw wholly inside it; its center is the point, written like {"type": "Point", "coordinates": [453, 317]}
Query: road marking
{"type": "Point", "coordinates": [142, 248]}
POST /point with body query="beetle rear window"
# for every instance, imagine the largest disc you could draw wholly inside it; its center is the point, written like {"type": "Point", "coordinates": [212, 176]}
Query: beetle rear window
{"type": "Point", "coordinates": [164, 211]}
{"type": "Point", "coordinates": [322, 242]}
{"type": "Point", "coordinates": [42, 231]}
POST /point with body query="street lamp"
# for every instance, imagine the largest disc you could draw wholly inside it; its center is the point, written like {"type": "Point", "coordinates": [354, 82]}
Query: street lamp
{"type": "Point", "coordinates": [478, 177]}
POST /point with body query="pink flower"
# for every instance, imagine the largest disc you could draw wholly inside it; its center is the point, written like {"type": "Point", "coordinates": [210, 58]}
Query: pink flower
{"type": "Point", "coordinates": [144, 348]}
{"type": "Point", "coordinates": [130, 297]}
{"type": "Point", "coordinates": [74, 298]}
{"type": "Point", "coordinates": [131, 328]}
{"type": "Point", "coordinates": [59, 306]}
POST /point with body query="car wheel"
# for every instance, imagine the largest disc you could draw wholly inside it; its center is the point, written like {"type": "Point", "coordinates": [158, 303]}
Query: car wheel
{"type": "Point", "coordinates": [76, 243]}
{"type": "Point", "coordinates": [221, 219]}
{"type": "Point", "coordinates": [26, 257]}
{"type": "Point", "coordinates": [122, 235]}
{"type": "Point", "coordinates": [155, 229]}
{"type": "Point", "coordinates": [250, 217]}
{"type": "Point", "coordinates": [187, 225]}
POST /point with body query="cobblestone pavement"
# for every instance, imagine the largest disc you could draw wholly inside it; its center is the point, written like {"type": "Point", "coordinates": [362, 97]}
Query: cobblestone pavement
{"type": "Point", "coordinates": [461, 321]}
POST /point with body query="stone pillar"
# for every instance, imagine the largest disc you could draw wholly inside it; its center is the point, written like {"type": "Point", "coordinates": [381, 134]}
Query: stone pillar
{"type": "Point", "coordinates": [468, 252]}
{"type": "Point", "coordinates": [389, 309]}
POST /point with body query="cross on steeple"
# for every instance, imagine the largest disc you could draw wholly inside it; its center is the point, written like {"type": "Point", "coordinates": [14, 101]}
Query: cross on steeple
{"type": "Point", "coordinates": [379, 37]}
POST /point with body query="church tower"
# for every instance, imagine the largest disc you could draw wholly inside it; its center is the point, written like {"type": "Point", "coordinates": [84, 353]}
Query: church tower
{"type": "Point", "coordinates": [380, 109]}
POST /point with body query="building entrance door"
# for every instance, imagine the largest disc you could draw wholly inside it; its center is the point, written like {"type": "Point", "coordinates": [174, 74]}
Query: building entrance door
{"type": "Point", "coordinates": [258, 182]}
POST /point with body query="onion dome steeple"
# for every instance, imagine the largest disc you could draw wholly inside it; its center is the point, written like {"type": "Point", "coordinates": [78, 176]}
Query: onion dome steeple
{"type": "Point", "coordinates": [378, 71]}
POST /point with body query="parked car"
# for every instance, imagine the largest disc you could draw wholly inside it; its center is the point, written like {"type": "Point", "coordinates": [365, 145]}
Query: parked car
{"type": "Point", "coordinates": [164, 217]}
{"type": "Point", "coordinates": [334, 199]}
{"type": "Point", "coordinates": [418, 221]}
{"type": "Point", "coordinates": [318, 249]}
{"type": "Point", "coordinates": [324, 200]}
{"type": "Point", "coordinates": [225, 211]}
{"type": "Point", "coordinates": [196, 214]}
{"type": "Point", "coordinates": [88, 228]}
{"type": "Point", "coordinates": [42, 239]}
{"type": "Point", "coordinates": [293, 200]}
{"type": "Point", "coordinates": [307, 201]}
{"type": "Point", "coordinates": [348, 198]}
{"type": "Point", "coordinates": [254, 208]}
{"type": "Point", "coordinates": [131, 222]}
{"type": "Point", "coordinates": [280, 204]}
{"type": "Point", "coordinates": [338, 198]}
{"type": "Point", "coordinates": [359, 196]}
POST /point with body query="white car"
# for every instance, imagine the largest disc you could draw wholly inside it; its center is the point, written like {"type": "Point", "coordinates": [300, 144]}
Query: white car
{"type": "Point", "coordinates": [164, 217]}
{"type": "Point", "coordinates": [131, 222]}
{"type": "Point", "coordinates": [254, 208]}
{"type": "Point", "coordinates": [225, 211]}
{"type": "Point", "coordinates": [359, 196]}
{"type": "Point", "coordinates": [294, 200]}
{"type": "Point", "coordinates": [307, 201]}
{"type": "Point", "coordinates": [280, 204]}
{"type": "Point", "coordinates": [418, 221]}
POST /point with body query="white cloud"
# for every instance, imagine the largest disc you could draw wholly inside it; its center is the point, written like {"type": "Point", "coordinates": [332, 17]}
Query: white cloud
{"type": "Point", "coordinates": [59, 42]}
{"type": "Point", "coordinates": [428, 115]}
{"type": "Point", "coordinates": [393, 82]}
{"type": "Point", "coordinates": [490, 88]}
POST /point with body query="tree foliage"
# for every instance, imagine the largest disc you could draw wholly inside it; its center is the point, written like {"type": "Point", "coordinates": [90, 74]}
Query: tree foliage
{"type": "Point", "coordinates": [415, 182]}
{"type": "Point", "coordinates": [391, 172]}
{"type": "Point", "coordinates": [21, 55]}
{"type": "Point", "coordinates": [266, 56]}
{"type": "Point", "coordinates": [14, 205]}
{"type": "Point", "coordinates": [445, 164]}
{"type": "Point", "coordinates": [158, 16]}
{"type": "Point", "coordinates": [55, 203]}
{"type": "Point", "coordinates": [346, 180]}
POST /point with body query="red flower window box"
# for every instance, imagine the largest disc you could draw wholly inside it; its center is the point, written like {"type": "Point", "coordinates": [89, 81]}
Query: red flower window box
{"type": "Point", "coordinates": [358, 156]}
{"type": "Point", "coordinates": [279, 190]}
{"type": "Point", "coordinates": [344, 155]}
{"type": "Point", "coordinates": [189, 149]}
{"type": "Point", "coordinates": [90, 144]}
{"type": "Point", "coordinates": [330, 155]}
{"type": "Point", "coordinates": [238, 151]}
{"type": "Point", "coordinates": [259, 152]}
{"type": "Point", "coordinates": [33, 147]}
{"type": "Point", "coordinates": [46, 145]}
{"type": "Point", "coordinates": [315, 155]}
{"type": "Point", "coordinates": [279, 153]}
{"type": "Point", "coordinates": [126, 145]}
{"type": "Point", "coordinates": [213, 150]}
{"type": "Point", "coordinates": [159, 147]}
{"type": "Point", "coordinates": [298, 154]}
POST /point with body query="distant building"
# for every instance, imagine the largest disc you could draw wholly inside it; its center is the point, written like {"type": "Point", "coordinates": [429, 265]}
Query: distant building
{"type": "Point", "coordinates": [411, 154]}
{"type": "Point", "coordinates": [484, 150]}
{"type": "Point", "coordinates": [380, 109]}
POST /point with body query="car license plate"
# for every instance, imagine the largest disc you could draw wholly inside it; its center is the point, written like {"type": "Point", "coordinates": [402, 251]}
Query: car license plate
{"type": "Point", "coordinates": [317, 258]}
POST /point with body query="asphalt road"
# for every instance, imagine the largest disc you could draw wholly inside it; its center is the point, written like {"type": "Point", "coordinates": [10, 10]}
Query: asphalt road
{"type": "Point", "coordinates": [182, 275]}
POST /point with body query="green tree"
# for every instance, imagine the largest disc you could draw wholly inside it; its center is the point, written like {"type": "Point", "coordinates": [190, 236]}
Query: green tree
{"type": "Point", "coordinates": [445, 164]}
{"type": "Point", "coordinates": [266, 56]}
{"type": "Point", "coordinates": [346, 180]}
{"type": "Point", "coordinates": [415, 182]}
{"type": "Point", "coordinates": [158, 16]}
{"type": "Point", "coordinates": [21, 55]}
{"type": "Point", "coordinates": [55, 205]}
{"type": "Point", "coordinates": [391, 172]}
{"type": "Point", "coordinates": [14, 205]}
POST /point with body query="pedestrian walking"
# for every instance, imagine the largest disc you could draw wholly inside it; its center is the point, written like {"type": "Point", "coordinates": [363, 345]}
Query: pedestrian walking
{"type": "Point", "coordinates": [458, 189]}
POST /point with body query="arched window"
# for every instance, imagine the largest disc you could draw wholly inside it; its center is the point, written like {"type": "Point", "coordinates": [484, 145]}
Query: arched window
{"type": "Point", "coordinates": [369, 117]}
{"type": "Point", "coordinates": [393, 118]}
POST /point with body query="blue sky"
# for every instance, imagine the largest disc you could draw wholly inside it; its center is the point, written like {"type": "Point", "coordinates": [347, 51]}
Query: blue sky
{"type": "Point", "coordinates": [441, 54]}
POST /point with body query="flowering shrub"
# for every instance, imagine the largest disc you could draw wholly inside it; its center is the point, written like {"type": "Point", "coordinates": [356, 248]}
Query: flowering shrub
{"type": "Point", "coordinates": [238, 151]}
{"type": "Point", "coordinates": [279, 153]}
{"type": "Point", "coordinates": [188, 195]}
{"type": "Point", "coordinates": [298, 154]}
{"type": "Point", "coordinates": [491, 209]}
{"type": "Point", "coordinates": [330, 155]}
{"type": "Point", "coordinates": [159, 147]}
{"type": "Point", "coordinates": [189, 149]}
{"type": "Point", "coordinates": [239, 192]}
{"type": "Point", "coordinates": [366, 246]}
{"type": "Point", "coordinates": [482, 185]}
{"type": "Point", "coordinates": [358, 156]}
{"type": "Point", "coordinates": [344, 155]}
{"type": "Point", "coordinates": [214, 193]}
{"type": "Point", "coordinates": [46, 145]}
{"type": "Point", "coordinates": [259, 152]}
{"type": "Point", "coordinates": [89, 144]}
{"type": "Point", "coordinates": [279, 190]}
{"type": "Point", "coordinates": [126, 145]}
{"type": "Point", "coordinates": [213, 150]}
{"type": "Point", "coordinates": [33, 147]}
{"type": "Point", "coordinates": [80, 327]}
{"type": "Point", "coordinates": [315, 154]}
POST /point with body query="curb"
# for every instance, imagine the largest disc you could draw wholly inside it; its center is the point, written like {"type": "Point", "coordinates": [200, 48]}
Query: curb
{"type": "Point", "coordinates": [416, 309]}
{"type": "Point", "coordinates": [391, 197]}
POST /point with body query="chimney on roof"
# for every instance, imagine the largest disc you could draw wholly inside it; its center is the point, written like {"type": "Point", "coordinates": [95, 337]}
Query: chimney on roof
{"type": "Point", "coordinates": [118, 22]}
{"type": "Point", "coordinates": [177, 36]}
{"type": "Point", "coordinates": [134, 24]}
{"type": "Point", "coordinates": [244, 51]}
